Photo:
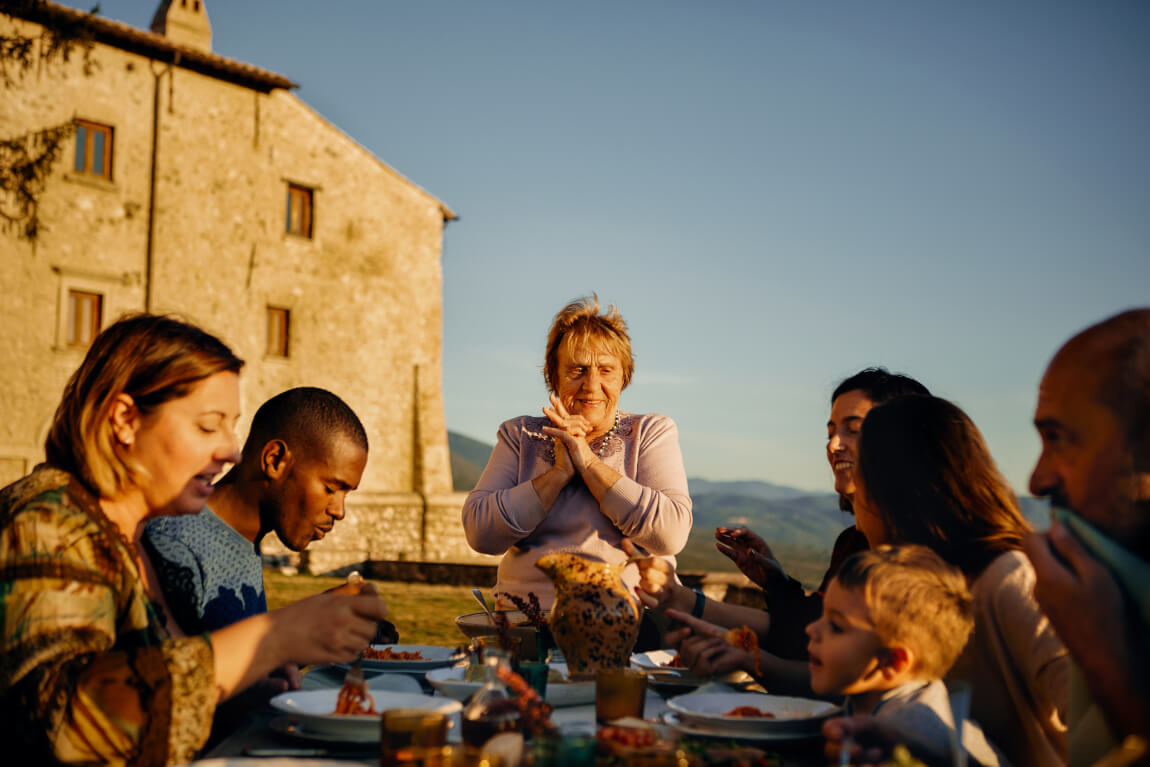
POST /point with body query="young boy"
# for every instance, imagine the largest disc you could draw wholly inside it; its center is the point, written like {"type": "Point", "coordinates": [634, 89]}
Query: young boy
{"type": "Point", "coordinates": [894, 621]}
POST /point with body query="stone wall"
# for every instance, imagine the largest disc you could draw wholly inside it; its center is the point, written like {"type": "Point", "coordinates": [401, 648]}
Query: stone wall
{"type": "Point", "coordinates": [365, 291]}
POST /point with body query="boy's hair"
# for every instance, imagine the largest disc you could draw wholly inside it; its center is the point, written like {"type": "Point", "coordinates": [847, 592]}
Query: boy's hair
{"type": "Point", "coordinates": [915, 599]}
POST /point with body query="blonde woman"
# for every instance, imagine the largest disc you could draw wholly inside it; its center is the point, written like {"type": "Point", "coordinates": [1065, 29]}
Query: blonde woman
{"type": "Point", "coordinates": [586, 475]}
{"type": "Point", "coordinates": [92, 667]}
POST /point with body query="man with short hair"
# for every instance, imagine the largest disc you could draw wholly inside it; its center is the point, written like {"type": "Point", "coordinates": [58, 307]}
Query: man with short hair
{"type": "Point", "coordinates": [1093, 565]}
{"type": "Point", "coordinates": [305, 452]}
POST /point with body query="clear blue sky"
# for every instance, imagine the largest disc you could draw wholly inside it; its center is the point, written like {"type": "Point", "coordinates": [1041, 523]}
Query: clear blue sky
{"type": "Point", "coordinates": [775, 194]}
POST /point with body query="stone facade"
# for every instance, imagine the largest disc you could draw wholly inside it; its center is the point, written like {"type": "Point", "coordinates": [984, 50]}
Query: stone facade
{"type": "Point", "coordinates": [193, 221]}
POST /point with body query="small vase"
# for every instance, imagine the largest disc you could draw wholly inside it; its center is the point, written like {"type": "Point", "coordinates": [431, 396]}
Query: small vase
{"type": "Point", "coordinates": [594, 620]}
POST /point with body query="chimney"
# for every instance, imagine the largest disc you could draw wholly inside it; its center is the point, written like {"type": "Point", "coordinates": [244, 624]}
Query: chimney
{"type": "Point", "coordinates": [184, 22]}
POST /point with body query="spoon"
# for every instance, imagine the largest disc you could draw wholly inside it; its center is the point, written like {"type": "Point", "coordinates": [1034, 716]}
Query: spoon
{"type": "Point", "coordinates": [483, 603]}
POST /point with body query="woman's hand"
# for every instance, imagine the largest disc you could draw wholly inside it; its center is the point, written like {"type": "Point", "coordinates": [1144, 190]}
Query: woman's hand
{"type": "Point", "coordinates": [750, 553]}
{"type": "Point", "coordinates": [328, 628]}
{"type": "Point", "coordinates": [570, 432]}
{"type": "Point", "coordinates": [657, 587]}
{"type": "Point", "coordinates": [703, 647]}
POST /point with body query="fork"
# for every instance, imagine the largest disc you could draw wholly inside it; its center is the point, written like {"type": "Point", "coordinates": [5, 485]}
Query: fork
{"type": "Point", "coordinates": [354, 676]}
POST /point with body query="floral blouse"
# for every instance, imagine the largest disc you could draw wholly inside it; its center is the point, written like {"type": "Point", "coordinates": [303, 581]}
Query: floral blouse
{"type": "Point", "coordinates": [88, 671]}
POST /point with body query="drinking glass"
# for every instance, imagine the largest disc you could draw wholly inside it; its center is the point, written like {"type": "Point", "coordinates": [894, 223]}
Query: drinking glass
{"type": "Point", "coordinates": [619, 692]}
{"type": "Point", "coordinates": [406, 734]}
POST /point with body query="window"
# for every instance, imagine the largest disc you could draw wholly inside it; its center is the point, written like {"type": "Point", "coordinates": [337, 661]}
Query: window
{"type": "Point", "coordinates": [299, 210]}
{"type": "Point", "coordinates": [85, 314]}
{"type": "Point", "coordinates": [93, 149]}
{"type": "Point", "coordinates": [279, 329]}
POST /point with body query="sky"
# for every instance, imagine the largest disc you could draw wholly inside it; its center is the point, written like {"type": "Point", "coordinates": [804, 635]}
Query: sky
{"type": "Point", "coordinates": [774, 194]}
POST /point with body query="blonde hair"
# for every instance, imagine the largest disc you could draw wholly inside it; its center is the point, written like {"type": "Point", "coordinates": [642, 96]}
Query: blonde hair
{"type": "Point", "coordinates": [915, 599]}
{"type": "Point", "coordinates": [579, 324]}
{"type": "Point", "coordinates": [152, 359]}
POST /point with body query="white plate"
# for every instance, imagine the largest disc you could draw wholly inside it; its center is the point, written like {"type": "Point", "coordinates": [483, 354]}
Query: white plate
{"type": "Point", "coordinates": [677, 724]}
{"type": "Point", "coordinates": [673, 676]}
{"type": "Point", "coordinates": [294, 728]}
{"type": "Point", "coordinates": [657, 660]}
{"type": "Point", "coordinates": [435, 657]}
{"type": "Point", "coordinates": [314, 710]}
{"type": "Point", "coordinates": [794, 716]}
{"type": "Point", "coordinates": [284, 761]}
{"type": "Point", "coordinates": [450, 682]}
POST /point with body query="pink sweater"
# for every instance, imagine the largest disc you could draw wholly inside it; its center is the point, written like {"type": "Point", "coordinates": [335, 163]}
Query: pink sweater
{"type": "Point", "coordinates": [649, 504]}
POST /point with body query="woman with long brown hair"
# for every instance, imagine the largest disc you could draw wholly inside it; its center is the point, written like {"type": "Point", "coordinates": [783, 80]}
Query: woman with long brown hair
{"type": "Point", "coordinates": [93, 669]}
{"type": "Point", "coordinates": [924, 475]}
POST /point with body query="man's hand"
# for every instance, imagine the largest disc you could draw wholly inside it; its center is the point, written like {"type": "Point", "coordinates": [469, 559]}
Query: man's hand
{"type": "Point", "coordinates": [1086, 608]}
{"type": "Point", "coordinates": [750, 553]}
{"type": "Point", "coordinates": [1076, 592]}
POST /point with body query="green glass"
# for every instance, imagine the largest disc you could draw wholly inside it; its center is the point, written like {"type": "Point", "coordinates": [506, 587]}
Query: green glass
{"type": "Point", "coordinates": [535, 674]}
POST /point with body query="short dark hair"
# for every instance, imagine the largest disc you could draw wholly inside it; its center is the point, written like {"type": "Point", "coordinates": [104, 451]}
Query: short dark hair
{"type": "Point", "coordinates": [880, 385]}
{"type": "Point", "coordinates": [305, 418]}
{"type": "Point", "coordinates": [927, 474]}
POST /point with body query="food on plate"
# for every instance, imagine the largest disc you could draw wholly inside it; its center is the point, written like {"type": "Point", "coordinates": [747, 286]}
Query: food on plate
{"type": "Point", "coordinates": [628, 737]}
{"type": "Point", "coordinates": [389, 654]}
{"type": "Point", "coordinates": [633, 741]}
{"type": "Point", "coordinates": [675, 662]}
{"type": "Point", "coordinates": [354, 699]}
{"type": "Point", "coordinates": [749, 711]}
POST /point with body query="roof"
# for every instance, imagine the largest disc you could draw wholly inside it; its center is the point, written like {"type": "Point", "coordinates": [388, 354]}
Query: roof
{"type": "Point", "coordinates": [154, 46]}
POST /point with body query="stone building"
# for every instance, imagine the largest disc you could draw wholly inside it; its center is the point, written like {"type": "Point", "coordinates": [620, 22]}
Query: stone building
{"type": "Point", "coordinates": [200, 185]}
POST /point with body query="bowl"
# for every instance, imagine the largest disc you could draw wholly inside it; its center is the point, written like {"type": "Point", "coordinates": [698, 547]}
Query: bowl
{"type": "Point", "coordinates": [479, 624]}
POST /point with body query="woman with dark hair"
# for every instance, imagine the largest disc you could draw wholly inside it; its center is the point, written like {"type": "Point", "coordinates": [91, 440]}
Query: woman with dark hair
{"type": "Point", "coordinates": [782, 628]}
{"type": "Point", "coordinates": [93, 669]}
{"type": "Point", "coordinates": [925, 476]}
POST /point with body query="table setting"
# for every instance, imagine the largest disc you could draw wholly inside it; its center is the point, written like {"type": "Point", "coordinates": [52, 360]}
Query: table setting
{"type": "Point", "coordinates": [526, 689]}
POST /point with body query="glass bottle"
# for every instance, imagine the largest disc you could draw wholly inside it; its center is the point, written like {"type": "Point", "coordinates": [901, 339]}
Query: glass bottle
{"type": "Point", "coordinates": [491, 710]}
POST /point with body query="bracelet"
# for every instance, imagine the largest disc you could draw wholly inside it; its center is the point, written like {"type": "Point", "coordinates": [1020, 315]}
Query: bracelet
{"type": "Point", "coordinates": [700, 601]}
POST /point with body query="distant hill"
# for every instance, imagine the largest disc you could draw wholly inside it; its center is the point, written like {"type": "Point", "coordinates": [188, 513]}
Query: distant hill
{"type": "Point", "coordinates": [751, 488]}
{"type": "Point", "coordinates": [468, 458]}
{"type": "Point", "coordinates": [799, 525]}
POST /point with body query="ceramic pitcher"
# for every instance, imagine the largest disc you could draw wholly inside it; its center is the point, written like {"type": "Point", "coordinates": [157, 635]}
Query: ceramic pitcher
{"type": "Point", "coordinates": [595, 620]}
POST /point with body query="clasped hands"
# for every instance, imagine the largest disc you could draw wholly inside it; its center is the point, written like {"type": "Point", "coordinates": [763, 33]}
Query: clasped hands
{"type": "Point", "coordinates": [572, 452]}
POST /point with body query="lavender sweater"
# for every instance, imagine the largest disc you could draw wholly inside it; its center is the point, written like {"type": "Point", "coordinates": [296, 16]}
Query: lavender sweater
{"type": "Point", "coordinates": [649, 504]}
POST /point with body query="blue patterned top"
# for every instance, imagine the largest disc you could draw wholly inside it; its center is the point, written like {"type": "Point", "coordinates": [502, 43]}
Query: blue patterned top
{"type": "Point", "coordinates": [211, 575]}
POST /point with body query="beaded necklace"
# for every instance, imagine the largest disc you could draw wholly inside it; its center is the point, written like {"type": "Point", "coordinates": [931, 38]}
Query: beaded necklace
{"type": "Point", "coordinates": [607, 437]}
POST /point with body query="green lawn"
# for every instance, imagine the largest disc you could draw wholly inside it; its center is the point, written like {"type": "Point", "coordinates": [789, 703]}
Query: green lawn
{"type": "Point", "coordinates": [423, 613]}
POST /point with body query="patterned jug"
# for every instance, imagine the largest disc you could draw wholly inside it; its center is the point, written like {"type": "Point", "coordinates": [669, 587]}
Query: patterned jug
{"type": "Point", "coordinates": [595, 621]}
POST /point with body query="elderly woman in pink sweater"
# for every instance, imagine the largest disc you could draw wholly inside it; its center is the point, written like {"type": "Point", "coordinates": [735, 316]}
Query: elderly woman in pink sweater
{"type": "Point", "coordinates": [585, 476]}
